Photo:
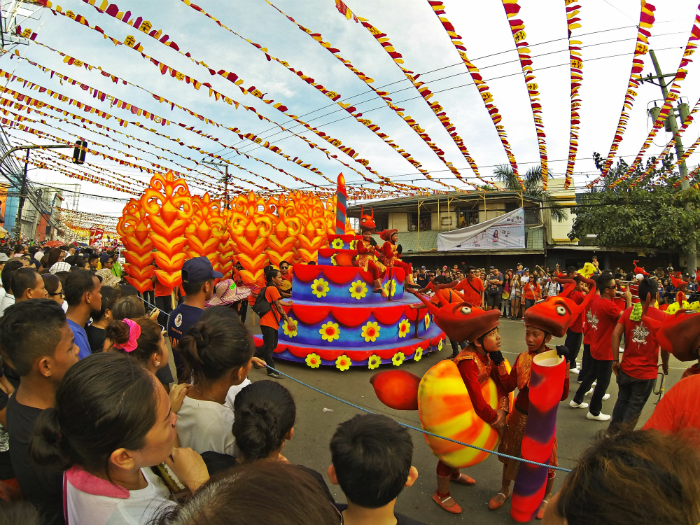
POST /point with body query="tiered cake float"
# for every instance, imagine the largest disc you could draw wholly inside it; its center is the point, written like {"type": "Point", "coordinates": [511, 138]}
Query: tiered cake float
{"type": "Point", "coordinates": [340, 322]}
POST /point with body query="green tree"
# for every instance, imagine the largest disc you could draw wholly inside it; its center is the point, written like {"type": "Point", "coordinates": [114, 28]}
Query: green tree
{"type": "Point", "coordinates": [533, 188]}
{"type": "Point", "coordinates": [646, 213]}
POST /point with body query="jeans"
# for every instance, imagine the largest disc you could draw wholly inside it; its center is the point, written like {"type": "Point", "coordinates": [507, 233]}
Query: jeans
{"type": "Point", "coordinates": [573, 343]}
{"type": "Point", "coordinates": [585, 363]}
{"type": "Point", "coordinates": [631, 398]}
{"type": "Point", "coordinates": [528, 304]}
{"type": "Point", "coordinates": [457, 347]}
{"type": "Point", "coordinates": [599, 371]}
{"type": "Point", "coordinates": [266, 351]}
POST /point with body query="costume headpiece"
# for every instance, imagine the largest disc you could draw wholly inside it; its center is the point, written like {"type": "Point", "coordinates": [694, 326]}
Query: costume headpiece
{"type": "Point", "coordinates": [678, 334]}
{"type": "Point", "coordinates": [460, 321]}
{"type": "Point", "coordinates": [367, 221]}
{"type": "Point", "coordinates": [638, 269]}
{"type": "Point", "coordinates": [134, 334]}
{"type": "Point", "coordinates": [678, 281]}
{"type": "Point", "coordinates": [386, 234]}
{"type": "Point", "coordinates": [555, 314]}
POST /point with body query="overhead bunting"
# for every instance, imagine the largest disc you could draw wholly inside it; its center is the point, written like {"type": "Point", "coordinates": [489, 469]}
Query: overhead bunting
{"type": "Point", "coordinates": [576, 64]}
{"type": "Point", "coordinates": [357, 115]}
{"type": "Point", "coordinates": [145, 27]}
{"type": "Point", "coordinates": [517, 27]}
{"type": "Point", "coordinates": [646, 21]}
{"type": "Point", "coordinates": [484, 90]}
{"type": "Point", "coordinates": [674, 94]}
{"type": "Point", "coordinates": [425, 93]}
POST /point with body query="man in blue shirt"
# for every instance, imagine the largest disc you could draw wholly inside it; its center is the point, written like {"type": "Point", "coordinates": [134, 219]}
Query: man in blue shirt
{"type": "Point", "coordinates": [82, 293]}
{"type": "Point", "coordinates": [198, 276]}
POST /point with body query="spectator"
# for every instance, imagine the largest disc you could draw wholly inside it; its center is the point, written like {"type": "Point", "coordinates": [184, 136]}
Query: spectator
{"type": "Point", "coordinates": [371, 457]}
{"type": "Point", "coordinates": [270, 322]}
{"type": "Point", "coordinates": [633, 477]}
{"type": "Point", "coordinates": [141, 339]}
{"type": "Point", "coordinates": [55, 256]}
{"type": "Point", "coordinates": [245, 494]}
{"type": "Point", "coordinates": [54, 288]}
{"type": "Point", "coordinates": [217, 355]}
{"type": "Point", "coordinates": [198, 276]}
{"type": "Point", "coordinates": [28, 284]}
{"type": "Point", "coordinates": [7, 273]}
{"type": "Point", "coordinates": [36, 339]}
{"type": "Point", "coordinates": [129, 307]}
{"type": "Point", "coordinates": [531, 290]}
{"type": "Point", "coordinates": [111, 423]}
{"type": "Point", "coordinates": [422, 277]}
{"type": "Point", "coordinates": [83, 297]}
{"type": "Point", "coordinates": [94, 261]}
{"type": "Point", "coordinates": [108, 278]}
{"type": "Point", "coordinates": [515, 292]}
{"type": "Point", "coordinates": [101, 318]}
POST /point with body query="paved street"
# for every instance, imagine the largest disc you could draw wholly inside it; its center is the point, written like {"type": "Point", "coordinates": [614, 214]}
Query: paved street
{"type": "Point", "coordinates": [315, 427]}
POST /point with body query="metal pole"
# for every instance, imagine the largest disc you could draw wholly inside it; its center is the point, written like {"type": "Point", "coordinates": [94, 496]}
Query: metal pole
{"type": "Point", "coordinates": [691, 254]}
{"type": "Point", "coordinates": [22, 194]}
{"type": "Point", "coordinates": [228, 206]}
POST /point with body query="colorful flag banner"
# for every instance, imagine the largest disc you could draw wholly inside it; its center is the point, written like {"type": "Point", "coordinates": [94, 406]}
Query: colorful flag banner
{"type": "Point", "coordinates": [576, 61]}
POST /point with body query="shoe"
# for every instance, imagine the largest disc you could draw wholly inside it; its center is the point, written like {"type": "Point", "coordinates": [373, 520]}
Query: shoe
{"type": "Point", "coordinates": [574, 404]}
{"type": "Point", "coordinates": [589, 392]}
{"type": "Point", "coordinates": [494, 505]}
{"type": "Point", "coordinates": [453, 509]}
{"type": "Point", "coordinates": [599, 417]}
{"type": "Point", "coordinates": [606, 397]}
{"type": "Point", "coordinates": [274, 375]}
{"type": "Point", "coordinates": [463, 479]}
{"type": "Point", "coordinates": [412, 286]}
{"type": "Point", "coordinates": [574, 371]}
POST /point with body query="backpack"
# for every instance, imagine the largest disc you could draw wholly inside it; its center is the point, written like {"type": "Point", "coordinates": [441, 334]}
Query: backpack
{"type": "Point", "coordinates": [262, 306]}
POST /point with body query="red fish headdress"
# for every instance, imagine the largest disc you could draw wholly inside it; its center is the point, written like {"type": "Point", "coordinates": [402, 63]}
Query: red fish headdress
{"type": "Point", "coordinates": [678, 334]}
{"type": "Point", "coordinates": [386, 234]}
{"type": "Point", "coordinates": [367, 221]}
{"type": "Point", "coordinates": [555, 314]}
{"type": "Point", "coordinates": [460, 321]}
{"type": "Point", "coordinates": [678, 281]}
{"type": "Point", "coordinates": [638, 270]}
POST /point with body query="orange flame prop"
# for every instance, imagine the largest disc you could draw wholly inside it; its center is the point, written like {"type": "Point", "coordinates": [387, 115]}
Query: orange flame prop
{"type": "Point", "coordinates": [133, 227]}
{"type": "Point", "coordinates": [206, 229]}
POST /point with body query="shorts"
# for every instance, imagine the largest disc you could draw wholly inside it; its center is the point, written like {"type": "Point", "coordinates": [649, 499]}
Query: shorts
{"type": "Point", "coordinates": [493, 300]}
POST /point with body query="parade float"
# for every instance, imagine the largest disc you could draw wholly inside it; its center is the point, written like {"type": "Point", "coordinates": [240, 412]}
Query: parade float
{"type": "Point", "coordinates": [339, 321]}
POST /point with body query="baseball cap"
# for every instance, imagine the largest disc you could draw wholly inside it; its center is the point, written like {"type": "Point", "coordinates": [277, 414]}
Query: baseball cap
{"type": "Point", "coordinates": [492, 268]}
{"type": "Point", "coordinates": [5, 258]}
{"type": "Point", "coordinates": [198, 270]}
{"type": "Point", "coordinates": [104, 258]}
{"type": "Point", "coordinates": [639, 276]}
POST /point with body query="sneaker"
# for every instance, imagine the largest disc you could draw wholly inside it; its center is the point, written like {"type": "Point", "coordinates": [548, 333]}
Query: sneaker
{"type": "Point", "coordinates": [590, 392]}
{"type": "Point", "coordinates": [606, 397]}
{"type": "Point", "coordinates": [574, 371]}
{"type": "Point", "coordinates": [574, 404]}
{"type": "Point", "coordinates": [599, 417]}
{"type": "Point", "coordinates": [274, 375]}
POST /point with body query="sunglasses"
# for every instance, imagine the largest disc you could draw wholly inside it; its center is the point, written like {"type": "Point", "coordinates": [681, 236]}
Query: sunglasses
{"type": "Point", "coordinates": [57, 293]}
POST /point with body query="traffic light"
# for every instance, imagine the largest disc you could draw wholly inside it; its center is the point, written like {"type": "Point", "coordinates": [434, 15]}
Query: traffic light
{"type": "Point", "coordinates": [80, 151]}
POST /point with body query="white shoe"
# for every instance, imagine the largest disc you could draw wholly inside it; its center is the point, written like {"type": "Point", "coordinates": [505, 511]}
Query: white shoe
{"type": "Point", "coordinates": [606, 397]}
{"type": "Point", "coordinates": [594, 384]}
{"type": "Point", "coordinates": [574, 370]}
{"type": "Point", "coordinates": [599, 417]}
{"type": "Point", "coordinates": [589, 392]}
{"type": "Point", "coordinates": [574, 404]}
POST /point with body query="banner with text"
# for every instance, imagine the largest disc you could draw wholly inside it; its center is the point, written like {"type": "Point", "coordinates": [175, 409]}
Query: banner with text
{"type": "Point", "coordinates": [506, 232]}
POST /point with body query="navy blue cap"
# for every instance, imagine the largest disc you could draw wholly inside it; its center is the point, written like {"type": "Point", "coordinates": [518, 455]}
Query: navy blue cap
{"type": "Point", "coordinates": [198, 270]}
{"type": "Point", "coordinates": [104, 258]}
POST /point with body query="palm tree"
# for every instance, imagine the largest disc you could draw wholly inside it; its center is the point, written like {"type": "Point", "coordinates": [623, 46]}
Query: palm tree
{"type": "Point", "coordinates": [533, 188]}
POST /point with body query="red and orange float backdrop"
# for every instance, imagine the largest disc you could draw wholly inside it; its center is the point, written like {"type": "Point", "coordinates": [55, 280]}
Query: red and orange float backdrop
{"type": "Point", "coordinates": [168, 225]}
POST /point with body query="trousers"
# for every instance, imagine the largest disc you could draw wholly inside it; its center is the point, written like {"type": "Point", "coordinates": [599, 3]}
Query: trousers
{"type": "Point", "coordinates": [632, 396]}
{"type": "Point", "coordinates": [270, 339]}
{"type": "Point", "coordinates": [600, 371]}
{"type": "Point", "coordinates": [573, 343]}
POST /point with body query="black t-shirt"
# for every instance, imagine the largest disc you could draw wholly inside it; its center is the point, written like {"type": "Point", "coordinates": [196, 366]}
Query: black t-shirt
{"type": "Point", "coordinates": [96, 338]}
{"type": "Point", "coordinates": [400, 518]}
{"type": "Point", "coordinates": [6, 471]}
{"type": "Point", "coordinates": [41, 486]}
{"type": "Point", "coordinates": [493, 289]}
{"type": "Point", "coordinates": [181, 319]}
{"type": "Point", "coordinates": [422, 280]}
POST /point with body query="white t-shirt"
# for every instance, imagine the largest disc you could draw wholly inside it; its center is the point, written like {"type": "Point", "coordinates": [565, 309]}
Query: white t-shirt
{"type": "Point", "coordinates": [205, 426]}
{"type": "Point", "coordinates": [91, 500]}
{"type": "Point", "coordinates": [233, 392]}
{"type": "Point", "coordinates": [7, 301]}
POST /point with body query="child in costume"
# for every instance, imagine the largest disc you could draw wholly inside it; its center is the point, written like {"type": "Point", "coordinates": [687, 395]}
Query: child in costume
{"type": "Point", "coordinates": [545, 319]}
{"type": "Point", "coordinates": [365, 253]}
{"type": "Point", "coordinates": [480, 360]}
{"type": "Point", "coordinates": [392, 256]}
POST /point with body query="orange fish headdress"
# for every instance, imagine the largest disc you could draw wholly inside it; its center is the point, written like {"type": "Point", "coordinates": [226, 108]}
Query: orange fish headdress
{"type": "Point", "coordinates": [555, 314]}
{"type": "Point", "coordinates": [460, 321]}
{"type": "Point", "coordinates": [639, 269]}
{"type": "Point", "coordinates": [678, 334]}
{"type": "Point", "coordinates": [367, 221]}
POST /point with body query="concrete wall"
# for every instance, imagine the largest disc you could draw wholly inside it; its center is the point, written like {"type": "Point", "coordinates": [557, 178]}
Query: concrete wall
{"type": "Point", "coordinates": [436, 224]}
{"type": "Point", "coordinates": [398, 221]}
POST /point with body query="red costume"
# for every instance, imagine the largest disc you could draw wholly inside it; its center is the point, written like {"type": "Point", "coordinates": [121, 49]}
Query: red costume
{"type": "Point", "coordinates": [391, 255]}
{"type": "Point", "coordinates": [365, 258]}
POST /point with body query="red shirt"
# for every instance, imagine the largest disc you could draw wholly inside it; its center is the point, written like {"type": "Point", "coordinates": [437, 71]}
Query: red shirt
{"type": "Point", "coordinates": [603, 320]}
{"type": "Point", "coordinates": [161, 290]}
{"type": "Point", "coordinates": [641, 357]}
{"type": "Point", "coordinates": [678, 409]}
{"type": "Point", "coordinates": [587, 323]}
{"type": "Point", "coordinates": [470, 375]}
{"type": "Point", "coordinates": [577, 325]}
{"type": "Point", "coordinates": [532, 290]}
{"type": "Point", "coordinates": [472, 290]}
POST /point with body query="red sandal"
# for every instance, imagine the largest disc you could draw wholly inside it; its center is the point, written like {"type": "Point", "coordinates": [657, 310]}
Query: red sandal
{"type": "Point", "coordinates": [442, 501]}
{"type": "Point", "coordinates": [495, 505]}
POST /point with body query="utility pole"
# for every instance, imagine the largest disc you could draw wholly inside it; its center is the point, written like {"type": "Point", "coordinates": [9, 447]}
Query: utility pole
{"type": "Point", "coordinates": [224, 179]}
{"type": "Point", "coordinates": [691, 252]}
{"type": "Point", "coordinates": [22, 195]}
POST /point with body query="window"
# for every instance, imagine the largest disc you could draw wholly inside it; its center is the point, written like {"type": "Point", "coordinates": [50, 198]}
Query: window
{"type": "Point", "coordinates": [532, 216]}
{"type": "Point", "coordinates": [511, 206]}
{"type": "Point", "coordinates": [424, 222]}
{"type": "Point", "coordinates": [467, 218]}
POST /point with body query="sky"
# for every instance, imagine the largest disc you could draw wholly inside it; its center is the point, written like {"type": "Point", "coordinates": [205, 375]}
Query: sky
{"type": "Point", "coordinates": [608, 34]}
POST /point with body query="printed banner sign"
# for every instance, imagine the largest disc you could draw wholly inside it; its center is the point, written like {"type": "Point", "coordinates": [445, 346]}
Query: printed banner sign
{"type": "Point", "coordinates": [506, 232]}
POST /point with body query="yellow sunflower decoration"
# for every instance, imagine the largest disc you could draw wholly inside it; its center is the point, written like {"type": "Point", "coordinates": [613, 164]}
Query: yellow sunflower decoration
{"type": "Point", "coordinates": [398, 358]}
{"type": "Point", "coordinates": [333, 261]}
{"type": "Point", "coordinates": [353, 245]}
{"type": "Point", "coordinates": [320, 287]}
{"type": "Point", "coordinates": [358, 289]}
{"type": "Point", "coordinates": [404, 328]}
{"type": "Point", "coordinates": [330, 331]}
{"type": "Point", "coordinates": [337, 244]}
{"type": "Point", "coordinates": [313, 360]}
{"type": "Point", "coordinates": [427, 321]}
{"type": "Point", "coordinates": [418, 355]}
{"type": "Point", "coordinates": [343, 363]}
{"type": "Point", "coordinates": [370, 332]}
{"type": "Point", "coordinates": [390, 287]}
{"type": "Point", "coordinates": [440, 345]}
{"type": "Point", "coordinates": [374, 362]}
{"type": "Point", "coordinates": [290, 332]}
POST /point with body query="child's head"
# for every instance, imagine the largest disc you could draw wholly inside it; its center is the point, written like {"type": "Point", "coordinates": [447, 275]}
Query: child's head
{"type": "Point", "coordinates": [216, 349]}
{"type": "Point", "coordinates": [371, 457]}
{"type": "Point", "coordinates": [111, 416]}
{"type": "Point", "coordinates": [535, 338]}
{"type": "Point", "coordinates": [109, 297]}
{"type": "Point", "coordinates": [129, 307]}
{"type": "Point", "coordinates": [36, 339]}
{"type": "Point", "coordinates": [490, 341]}
{"type": "Point", "coordinates": [246, 491]}
{"type": "Point", "coordinates": [264, 414]}
{"type": "Point", "coordinates": [141, 339]}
